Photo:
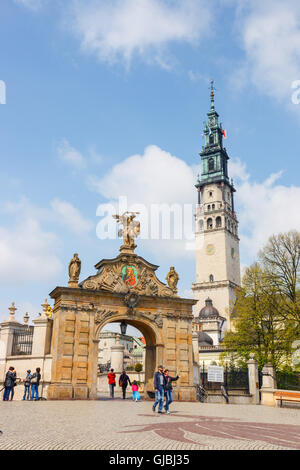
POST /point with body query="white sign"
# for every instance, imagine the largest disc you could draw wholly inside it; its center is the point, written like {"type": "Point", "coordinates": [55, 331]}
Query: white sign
{"type": "Point", "coordinates": [215, 374]}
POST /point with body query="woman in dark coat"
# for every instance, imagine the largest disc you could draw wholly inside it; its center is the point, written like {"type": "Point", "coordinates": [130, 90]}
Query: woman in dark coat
{"type": "Point", "coordinates": [9, 383]}
{"type": "Point", "coordinates": [169, 389]}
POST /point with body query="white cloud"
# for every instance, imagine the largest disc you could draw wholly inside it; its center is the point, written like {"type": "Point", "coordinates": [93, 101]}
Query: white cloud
{"type": "Point", "coordinates": [270, 33]}
{"type": "Point", "coordinates": [70, 155]}
{"type": "Point", "coordinates": [119, 29]}
{"type": "Point", "coordinates": [69, 216]}
{"type": "Point", "coordinates": [263, 208]}
{"type": "Point", "coordinates": [155, 177]}
{"type": "Point", "coordinates": [27, 253]}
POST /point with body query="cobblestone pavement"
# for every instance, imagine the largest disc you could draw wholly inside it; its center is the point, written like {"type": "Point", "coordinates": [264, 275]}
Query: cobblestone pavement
{"type": "Point", "coordinates": [118, 424]}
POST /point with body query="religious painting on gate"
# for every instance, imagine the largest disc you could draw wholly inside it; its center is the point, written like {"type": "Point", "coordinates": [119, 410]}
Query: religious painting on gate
{"type": "Point", "coordinates": [130, 275]}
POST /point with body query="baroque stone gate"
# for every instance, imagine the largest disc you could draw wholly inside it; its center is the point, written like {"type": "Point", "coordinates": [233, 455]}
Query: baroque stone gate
{"type": "Point", "coordinates": [124, 288]}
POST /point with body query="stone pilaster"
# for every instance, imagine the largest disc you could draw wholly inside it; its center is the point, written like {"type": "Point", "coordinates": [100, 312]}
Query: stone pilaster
{"type": "Point", "coordinates": [268, 385]}
{"type": "Point", "coordinates": [253, 379]}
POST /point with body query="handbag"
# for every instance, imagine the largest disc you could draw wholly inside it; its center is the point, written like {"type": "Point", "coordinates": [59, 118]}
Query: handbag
{"type": "Point", "coordinates": [121, 384]}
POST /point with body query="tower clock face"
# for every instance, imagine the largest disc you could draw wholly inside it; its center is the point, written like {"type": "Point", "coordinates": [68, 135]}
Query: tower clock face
{"type": "Point", "coordinates": [210, 249]}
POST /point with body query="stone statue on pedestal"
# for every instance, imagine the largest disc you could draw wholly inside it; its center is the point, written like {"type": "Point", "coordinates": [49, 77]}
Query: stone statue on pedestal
{"type": "Point", "coordinates": [131, 229]}
{"type": "Point", "coordinates": [172, 279]}
{"type": "Point", "coordinates": [74, 270]}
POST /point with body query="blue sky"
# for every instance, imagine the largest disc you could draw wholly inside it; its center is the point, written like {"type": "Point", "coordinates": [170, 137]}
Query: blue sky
{"type": "Point", "coordinates": [90, 84]}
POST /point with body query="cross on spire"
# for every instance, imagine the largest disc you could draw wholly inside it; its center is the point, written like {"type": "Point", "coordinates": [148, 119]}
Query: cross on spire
{"type": "Point", "coordinates": [212, 94]}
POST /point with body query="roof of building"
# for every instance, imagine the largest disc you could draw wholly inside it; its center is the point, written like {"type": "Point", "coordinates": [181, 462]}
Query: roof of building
{"type": "Point", "coordinates": [204, 339]}
{"type": "Point", "coordinates": [209, 311]}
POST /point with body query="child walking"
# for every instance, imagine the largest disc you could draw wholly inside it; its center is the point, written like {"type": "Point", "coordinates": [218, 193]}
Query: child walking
{"type": "Point", "coordinates": [135, 391]}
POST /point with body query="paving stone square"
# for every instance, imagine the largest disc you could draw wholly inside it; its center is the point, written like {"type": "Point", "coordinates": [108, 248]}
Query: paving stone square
{"type": "Point", "coordinates": [127, 425]}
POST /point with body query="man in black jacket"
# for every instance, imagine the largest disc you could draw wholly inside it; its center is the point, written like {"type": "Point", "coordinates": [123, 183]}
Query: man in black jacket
{"type": "Point", "coordinates": [123, 382]}
{"type": "Point", "coordinates": [159, 383]}
{"type": "Point", "coordinates": [9, 383]}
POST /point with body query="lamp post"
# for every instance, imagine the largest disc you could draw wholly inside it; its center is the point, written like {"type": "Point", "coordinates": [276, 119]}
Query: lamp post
{"type": "Point", "coordinates": [123, 328]}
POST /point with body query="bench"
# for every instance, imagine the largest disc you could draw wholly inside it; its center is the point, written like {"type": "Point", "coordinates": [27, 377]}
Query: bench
{"type": "Point", "coordinates": [287, 396]}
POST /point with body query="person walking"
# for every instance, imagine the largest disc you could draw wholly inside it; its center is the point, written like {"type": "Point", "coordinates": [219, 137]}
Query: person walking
{"type": "Point", "coordinates": [9, 383]}
{"type": "Point", "coordinates": [111, 382]}
{"type": "Point", "coordinates": [169, 389]}
{"type": "Point", "coordinates": [159, 383]}
{"type": "Point", "coordinates": [123, 382]}
{"type": "Point", "coordinates": [27, 385]}
{"type": "Point", "coordinates": [135, 391]}
{"type": "Point", "coordinates": [35, 382]}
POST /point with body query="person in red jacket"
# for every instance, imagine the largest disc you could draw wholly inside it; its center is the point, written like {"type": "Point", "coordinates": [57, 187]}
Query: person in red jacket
{"type": "Point", "coordinates": [111, 382]}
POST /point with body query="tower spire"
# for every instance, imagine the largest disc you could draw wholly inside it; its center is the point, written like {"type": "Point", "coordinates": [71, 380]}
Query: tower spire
{"type": "Point", "coordinates": [212, 94]}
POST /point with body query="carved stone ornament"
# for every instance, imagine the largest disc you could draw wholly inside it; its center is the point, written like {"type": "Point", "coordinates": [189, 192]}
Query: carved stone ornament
{"type": "Point", "coordinates": [153, 317]}
{"type": "Point", "coordinates": [101, 315]}
{"type": "Point", "coordinates": [132, 300]}
{"type": "Point", "coordinates": [128, 274]}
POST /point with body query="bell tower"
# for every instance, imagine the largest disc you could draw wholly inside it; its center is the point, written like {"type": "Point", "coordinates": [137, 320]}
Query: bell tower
{"type": "Point", "coordinates": [217, 241]}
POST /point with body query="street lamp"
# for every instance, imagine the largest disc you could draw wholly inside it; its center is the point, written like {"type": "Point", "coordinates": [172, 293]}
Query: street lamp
{"type": "Point", "coordinates": [123, 327]}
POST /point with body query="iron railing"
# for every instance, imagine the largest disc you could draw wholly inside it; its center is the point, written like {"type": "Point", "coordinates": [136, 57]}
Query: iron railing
{"type": "Point", "coordinates": [22, 342]}
{"type": "Point", "coordinates": [236, 379]}
{"type": "Point", "coordinates": [287, 380]}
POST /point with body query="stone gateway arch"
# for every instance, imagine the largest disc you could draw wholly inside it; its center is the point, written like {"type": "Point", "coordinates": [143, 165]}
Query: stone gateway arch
{"type": "Point", "coordinates": [124, 288]}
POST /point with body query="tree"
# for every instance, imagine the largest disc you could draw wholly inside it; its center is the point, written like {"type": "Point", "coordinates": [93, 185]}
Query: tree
{"type": "Point", "coordinates": [281, 261]}
{"type": "Point", "coordinates": [138, 367]}
{"type": "Point", "coordinates": [258, 325]}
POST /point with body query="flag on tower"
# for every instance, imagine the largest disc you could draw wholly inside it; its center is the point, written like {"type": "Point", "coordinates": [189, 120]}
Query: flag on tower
{"type": "Point", "coordinates": [224, 133]}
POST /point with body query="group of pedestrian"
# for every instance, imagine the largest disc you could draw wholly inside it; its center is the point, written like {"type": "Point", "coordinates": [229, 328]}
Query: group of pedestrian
{"type": "Point", "coordinates": [124, 380]}
{"type": "Point", "coordinates": [31, 384]}
{"type": "Point", "coordinates": [162, 385]}
{"type": "Point", "coordinates": [162, 382]}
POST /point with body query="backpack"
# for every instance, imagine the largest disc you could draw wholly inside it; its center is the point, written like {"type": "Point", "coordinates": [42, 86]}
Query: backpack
{"type": "Point", "coordinates": [34, 379]}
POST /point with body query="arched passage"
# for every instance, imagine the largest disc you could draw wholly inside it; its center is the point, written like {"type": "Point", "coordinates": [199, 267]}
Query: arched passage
{"type": "Point", "coordinates": [151, 336]}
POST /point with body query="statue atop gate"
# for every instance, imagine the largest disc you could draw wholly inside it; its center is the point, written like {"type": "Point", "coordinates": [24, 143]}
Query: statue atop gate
{"type": "Point", "coordinates": [130, 230]}
{"type": "Point", "coordinates": [128, 272]}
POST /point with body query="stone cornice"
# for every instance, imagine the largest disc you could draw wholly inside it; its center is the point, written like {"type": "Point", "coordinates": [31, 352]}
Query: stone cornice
{"type": "Point", "coordinates": [213, 285]}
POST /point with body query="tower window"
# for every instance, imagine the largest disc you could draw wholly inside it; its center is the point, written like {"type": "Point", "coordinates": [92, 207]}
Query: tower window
{"type": "Point", "coordinates": [211, 139]}
{"type": "Point", "coordinates": [211, 278]}
{"type": "Point", "coordinates": [209, 223]}
{"type": "Point", "coordinates": [218, 222]}
{"type": "Point", "coordinates": [213, 207]}
{"type": "Point", "coordinates": [208, 207]}
{"type": "Point", "coordinates": [210, 194]}
{"type": "Point", "coordinates": [211, 164]}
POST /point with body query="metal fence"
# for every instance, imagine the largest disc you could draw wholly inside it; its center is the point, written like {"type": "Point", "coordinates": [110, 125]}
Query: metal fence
{"type": "Point", "coordinates": [104, 368]}
{"type": "Point", "coordinates": [234, 379]}
{"type": "Point", "coordinates": [22, 342]}
{"type": "Point", "coordinates": [288, 381]}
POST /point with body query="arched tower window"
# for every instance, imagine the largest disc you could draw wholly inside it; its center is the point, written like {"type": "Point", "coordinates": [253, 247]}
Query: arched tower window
{"type": "Point", "coordinates": [218, 222]}
{"type": "Point", "coordinates": [211, 164]}
{"type": "Point", "coordinates": [209, 223]}
{"type": "Point", "coordinates": [211, 278]}
{"type": "Point", "coordinates": [211, 139]}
